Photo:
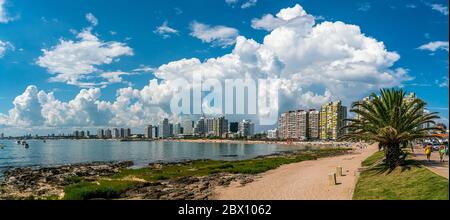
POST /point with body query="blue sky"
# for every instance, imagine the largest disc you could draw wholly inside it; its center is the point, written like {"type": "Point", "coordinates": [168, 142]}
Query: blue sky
{"type": "Point", "coordinates": [415, 30]}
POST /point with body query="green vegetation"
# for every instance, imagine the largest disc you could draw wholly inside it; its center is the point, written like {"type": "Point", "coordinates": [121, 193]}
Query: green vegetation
{"type": "Point", "coordinates": [120, 183]}
{"type": "Point", "coordinates": [378, 156]}
{"type": "Point", "coordinates": [104, 189]}
{"type": "Point", "coordinates": [408, 182]}
{"type": "Point", "coordinates": [392, 120]}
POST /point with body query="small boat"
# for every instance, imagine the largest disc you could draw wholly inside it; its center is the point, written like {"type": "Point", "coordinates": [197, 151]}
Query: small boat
{"type": "Point", "coordinates": [27, 146]}
{"type": "Point", "coordinates": [18, 142]}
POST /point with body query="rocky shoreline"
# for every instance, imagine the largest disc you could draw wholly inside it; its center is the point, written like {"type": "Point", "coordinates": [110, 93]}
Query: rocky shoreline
{"type": "Point", "coordinates": [49, 182]}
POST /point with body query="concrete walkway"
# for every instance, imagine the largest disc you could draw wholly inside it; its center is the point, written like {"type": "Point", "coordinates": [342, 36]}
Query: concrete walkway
{"type": "Point", "coordinates": [440, 168]}
{"type": "Point", "coordinates": [306, 180]}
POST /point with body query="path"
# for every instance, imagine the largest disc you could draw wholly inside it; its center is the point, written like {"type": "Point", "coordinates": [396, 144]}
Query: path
{"type": "Point", "coordinates": [306, 180]}
{"type": "Point", "coordinates": [434, 165]}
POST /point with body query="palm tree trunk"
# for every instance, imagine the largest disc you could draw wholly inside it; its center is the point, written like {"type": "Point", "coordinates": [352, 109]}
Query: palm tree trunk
{"type": "Point", "coordinates": [393, 155]}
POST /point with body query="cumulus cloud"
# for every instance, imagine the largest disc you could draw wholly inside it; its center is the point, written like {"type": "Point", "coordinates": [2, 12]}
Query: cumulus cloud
{"type": "Point", "coordinates": [4, 17]}
{"type": "Point", "coordinates": [92, 19]}
{"type": "Point", "coordinates": [435, 46]}
{"type": "Point", "coordinates": [165, 31]}
{"type": "Point", "coordinates": [74, 62]}
{"type": "Point", "coordinates": [4, 46]}
{"type": "Point", "coordinates": [440, 8]}
{"type": "Point", "coordinates": [249, 3]}
{"type": "Point", "coordinates": [221, 36]}
{"type": "Point", "coordinates": [315, 63]}
{"type": "Point", "coordinates": [295, 17]}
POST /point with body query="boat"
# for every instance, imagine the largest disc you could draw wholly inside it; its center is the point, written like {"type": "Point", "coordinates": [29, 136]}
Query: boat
{"type": "Point", "coordinates": [18, 142]}
{"type": "Point", "coordinates": [26, 145]}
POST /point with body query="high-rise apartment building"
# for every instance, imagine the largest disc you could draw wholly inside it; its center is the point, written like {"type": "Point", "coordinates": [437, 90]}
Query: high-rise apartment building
{"type": "Point", "coordinates": [116, 133]}
{"type": "Point", "coordinates": [177, 129]}
{"type": "Point", "coordinates": [100, 133]}
{"type": "Point", "coordinates": [188, 126]}
{"type": "Point", "coordinates": [293, 125]}
{"type": "Point", "coordinates": [313, 124]}
{"type": "Point", "coordinates": [164, 128]}
{"type": "Point", "coordinates": [200, 127]}
{"type": "Point", "coordinates": [108, 133]}
{"type": "Point", "coordinates": [332, 119]}
{"type": "Point", "coordinates": [210, 126]}
{"type": "Point", "coordinates": [246, 128]}
{"type": "Point", "coordinates": [148, 131]}
{"type": "Point", "coordinates": [220, 126]}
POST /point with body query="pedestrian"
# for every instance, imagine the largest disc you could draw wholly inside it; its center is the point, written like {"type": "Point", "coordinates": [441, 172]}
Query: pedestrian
{"type": "Point", "coordinates": [428, 152]}
{"type": "Point", "coordinates": [442, 153]}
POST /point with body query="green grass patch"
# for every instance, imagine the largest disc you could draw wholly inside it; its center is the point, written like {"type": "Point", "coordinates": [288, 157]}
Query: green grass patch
{"type": "Point", "coordinates": [409, 182]}
{"type": "Point", "coordinates": [378, 156]}
{"type": "Point", "coordinates": [208, 167]}
{"type": "Point", "coordinates": [104, 189]}
{"type": "Point", "coordinates": [111, 189]}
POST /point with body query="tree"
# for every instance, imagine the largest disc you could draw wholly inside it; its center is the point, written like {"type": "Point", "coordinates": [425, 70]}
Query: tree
{"type": "Point", "coordinates": [393, 120]}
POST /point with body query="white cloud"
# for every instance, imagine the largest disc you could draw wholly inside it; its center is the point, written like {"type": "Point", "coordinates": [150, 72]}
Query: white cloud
{"type": "Point", "coordinates": [4, 46]}
{"type": "Point", "coordinates": [92, 19]}
{"type": "Point", "coordinates": [221, 36]}
{"type": "Point", "coordinates": [115, 76]}
{"type": "Point", "coordinates": [411, 6]}
{"type": "Point", "coordinates": [434, 46]}
{"type": "Point", "coordinates": [165, 31]}
{"type": "Point", "coordinates": [231, 2]}
{"type": "Point", "coordinates": [364, 6]}
{"type": "Point", "coordinates": [145, 69]}
{"type": "Point", "coordinates": [315, 63]}
{"type": "Point", "coordinates": [442, 82]}
{"type": "Point", "coordinates": [440, 8]}
{"type": "Point", "coordinates": [249, 3]}
{"type": "Point", "coordinates": [73, 62]}
{"type": "Point", "coordinates": [292, 17]}
{"type": "Point", "coordinates": [4, 17]}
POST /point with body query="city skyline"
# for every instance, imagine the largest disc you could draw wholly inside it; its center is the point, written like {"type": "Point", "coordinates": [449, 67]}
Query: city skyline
{"type": "Point", "coordinates": [48, 83]}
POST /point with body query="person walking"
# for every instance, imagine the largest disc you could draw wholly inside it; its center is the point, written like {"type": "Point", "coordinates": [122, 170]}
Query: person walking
{"type": "Point", "coordinates": [442, 153]}
{"type": "Point", "coordinates": [428, 152]}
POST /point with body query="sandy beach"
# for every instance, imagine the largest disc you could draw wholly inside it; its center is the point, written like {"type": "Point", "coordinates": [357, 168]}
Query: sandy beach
{"type": "Point", "coordinates": [306, 180]}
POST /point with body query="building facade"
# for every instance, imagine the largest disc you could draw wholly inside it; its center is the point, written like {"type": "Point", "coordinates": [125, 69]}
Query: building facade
{"type": "Point", "coordinates": [246, 128]}
{"type": "Point", "coordinates": [148, 132]}
{"type": "Point", "coordinates": [313, 124]}
{"type": "Point", "coordinates": [333, 117]}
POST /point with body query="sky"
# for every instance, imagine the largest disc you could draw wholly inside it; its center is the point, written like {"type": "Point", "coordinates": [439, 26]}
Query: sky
{"type": "Point", "coordinates": [86, 64]}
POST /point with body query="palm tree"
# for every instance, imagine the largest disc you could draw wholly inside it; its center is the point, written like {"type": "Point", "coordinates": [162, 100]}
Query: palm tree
{"type": "Point", "coordinates": [392, 120]}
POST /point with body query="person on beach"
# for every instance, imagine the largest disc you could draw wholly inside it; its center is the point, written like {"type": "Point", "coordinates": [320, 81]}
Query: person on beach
{"type": "Point", "coordinates": [442, 153]}
{"type": "Point", "coordinates": [428, 152]}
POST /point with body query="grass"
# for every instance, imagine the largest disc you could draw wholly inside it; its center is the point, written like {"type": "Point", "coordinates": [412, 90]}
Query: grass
{"type": "Point", "coordinates": [409, 182]}
{"type": "Point", "coordinates": [378, 156]}
{"type": "Point", "coordinates": [103, 189]}
{"type": "Point", "coordinates": [208, 167]}
{"type": "Point", "coordinates": [119, 183]}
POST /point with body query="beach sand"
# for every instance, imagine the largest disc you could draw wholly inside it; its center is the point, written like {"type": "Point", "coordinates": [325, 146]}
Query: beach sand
{"type": "Point", "coordinates": [306, 180]}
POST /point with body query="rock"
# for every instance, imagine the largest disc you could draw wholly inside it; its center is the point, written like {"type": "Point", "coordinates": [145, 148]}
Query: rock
{"type": "Point", "coordinates": [21, 183]}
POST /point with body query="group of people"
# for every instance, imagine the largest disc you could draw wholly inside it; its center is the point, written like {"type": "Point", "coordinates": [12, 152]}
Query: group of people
{"type": "Point", "coordinates": [443, 150]}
